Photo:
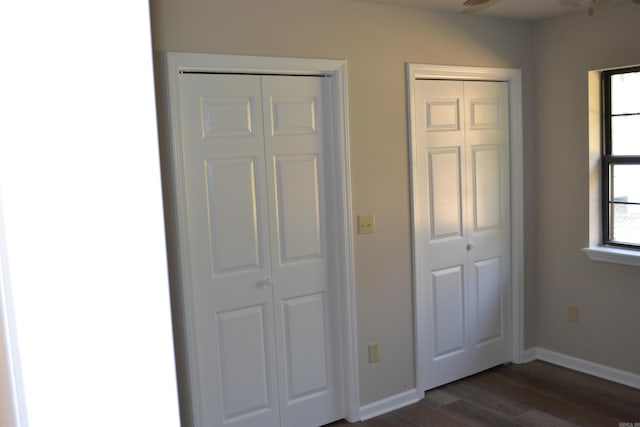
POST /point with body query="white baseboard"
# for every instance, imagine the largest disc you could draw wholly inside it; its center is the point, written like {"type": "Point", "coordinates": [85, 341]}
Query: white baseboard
{"type": "Point", "coordinates": [389, 404]}
{"type": "Point", "coordinates": [529, 355]}
{"type": "Point", "coordinates": [409, 397]}
{"type": "Point", "coordinates": [581, 365]}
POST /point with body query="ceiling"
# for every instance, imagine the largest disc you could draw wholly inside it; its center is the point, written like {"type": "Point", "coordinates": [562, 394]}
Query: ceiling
{"type": "Point", "coordinates": [529, 10]}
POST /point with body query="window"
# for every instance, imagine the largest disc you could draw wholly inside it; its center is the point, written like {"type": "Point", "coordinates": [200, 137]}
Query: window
{"type": "Point", "coordinates": [621, 157]}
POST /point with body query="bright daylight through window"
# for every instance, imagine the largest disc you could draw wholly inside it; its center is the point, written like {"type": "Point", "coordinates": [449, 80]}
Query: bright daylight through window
{"type": "Point", "coordinates": [621, 157]}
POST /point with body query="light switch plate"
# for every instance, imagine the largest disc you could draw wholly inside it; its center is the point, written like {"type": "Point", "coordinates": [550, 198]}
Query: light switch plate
{"type": "Point", "coordinates": [366, 224]}
{"type": "Point", "coordinates": [374, 354]}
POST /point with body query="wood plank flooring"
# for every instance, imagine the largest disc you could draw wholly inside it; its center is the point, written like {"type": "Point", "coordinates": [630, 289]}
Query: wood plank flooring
{"type": "Point", "coordinates": [532, 394]}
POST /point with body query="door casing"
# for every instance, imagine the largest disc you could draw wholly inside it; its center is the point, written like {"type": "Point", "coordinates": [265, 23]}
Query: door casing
{"type": "Point", "coordinates": [169, 66]}
{"type": "Point", "coordinates": [514, 79]}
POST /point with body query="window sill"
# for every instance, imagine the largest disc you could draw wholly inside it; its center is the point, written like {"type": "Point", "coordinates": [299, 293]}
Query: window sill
{"type": "Point", "coordinates": [613, 255]}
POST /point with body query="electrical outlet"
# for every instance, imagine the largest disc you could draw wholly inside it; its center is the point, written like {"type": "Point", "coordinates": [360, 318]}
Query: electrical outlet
{"type": "Point", "coordinates": [374, 356]}
{"type": "Point", "coordinates": [573, 313]}
{"type": "Point", "coordinates": [366, 224]}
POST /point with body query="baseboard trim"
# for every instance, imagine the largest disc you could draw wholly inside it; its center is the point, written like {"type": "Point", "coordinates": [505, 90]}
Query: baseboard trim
{"type": "Point", "coordinates": [529, 355]}
{"type": "Point", "coordinates": [389, 404]}
{"type": "Point", "coordinates": [409, 397]}
{"type": "Point", "coordinates": [591, 368]}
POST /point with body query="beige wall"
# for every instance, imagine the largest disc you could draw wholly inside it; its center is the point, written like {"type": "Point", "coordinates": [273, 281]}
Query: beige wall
{"type": "Point", "coordinates": [377, 41]}
{"type": "Point", "coordinates": [608, 294]}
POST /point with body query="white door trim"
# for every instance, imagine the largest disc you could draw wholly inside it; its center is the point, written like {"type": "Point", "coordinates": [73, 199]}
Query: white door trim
{"type": "Point", "coordinates": [170, 66]}
{"type": "Point", "coordinates": [12, 398]}
{"type": "Point", "coordinates": [514, 79]}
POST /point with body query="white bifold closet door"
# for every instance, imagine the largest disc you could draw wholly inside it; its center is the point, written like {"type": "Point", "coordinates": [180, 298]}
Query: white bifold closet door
{"type": "Point", "coordinates": [261, 237]}
{"type": "Point", "coordinates": [463, 139]}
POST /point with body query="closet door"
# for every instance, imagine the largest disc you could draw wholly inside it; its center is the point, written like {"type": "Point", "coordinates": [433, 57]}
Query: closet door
{"type": "Point", "coordinates": [463, 138]}
{"type": "Point", "coordinates": [234, 377]}
{"type": "Point", "coordinates": [260, 236]}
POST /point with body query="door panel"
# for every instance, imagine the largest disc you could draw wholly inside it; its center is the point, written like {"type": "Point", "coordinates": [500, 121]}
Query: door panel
{"type": "Point", "coordinates": [443, 114]}
{"type": "Point", "coordinates": [223, 151]}
{"type": "Point", "coordinates": [243, 363]}
{"type": "Point", "coordinates": [484, 113]}
{"type": "Point", "coordinates": [305, 343]}
{"type": "Point", "coordinates": [296, 151]}
{"type": "Point", "coordinates": [489, 236]}
{"type": "Point", "coordinates": [298, 209]}
{"type": "Point", "coordinates": [445, 193]}
{"type": "Point", "coordinates": [440, 122]}
{"type": "Point", "coordinates": [486, 187]}
{"type": "Point", "coordinates": [448, 311]}
{"type": "Point", "coordinates": [227, 116]}
{"type": "Point", "coordinates": [462, 138]}
{"type": "Point", "coordinates": [233, 216]}
{"type": "Point", "coordinates": [293, 115]}
{"type": "Point", "coordinates": [489, 300]}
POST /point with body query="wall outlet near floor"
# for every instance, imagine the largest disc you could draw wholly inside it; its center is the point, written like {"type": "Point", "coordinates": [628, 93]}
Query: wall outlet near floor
{"type": "Point", "coordinates": [573, 313]}
{"type": "Point", "coordinates": [374, 356]}
{"type": "Point", "coordinates": [366, 224]}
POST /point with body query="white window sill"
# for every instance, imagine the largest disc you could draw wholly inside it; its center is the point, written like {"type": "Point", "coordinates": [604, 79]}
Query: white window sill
{"type": "Point", "coordinates": [614, 255]}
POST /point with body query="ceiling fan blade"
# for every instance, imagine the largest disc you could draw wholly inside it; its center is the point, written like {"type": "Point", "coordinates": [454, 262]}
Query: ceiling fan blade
{"type": "Point", "coordinates": [478, 2]}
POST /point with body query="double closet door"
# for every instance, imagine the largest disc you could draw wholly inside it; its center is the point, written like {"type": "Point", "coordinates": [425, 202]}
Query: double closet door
{"type": "Point", "coordinates": [262, 324]}
{"type": "Point", "coordinates": [463, 165]}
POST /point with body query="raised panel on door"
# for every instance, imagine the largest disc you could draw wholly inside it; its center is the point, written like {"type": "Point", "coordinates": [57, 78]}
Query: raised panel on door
{"type": "Point", "coordinates": [233, 356]}
{"type": "Point", "coordinates": [228, 116]}
{"type": "Point", "coordinates": [442, 113]}
{"type": "Point", "coordinates": [245, 376]}
{"type": "Point", "coordinates": [448, 334]}
{"type": "Point", "coordinates": [304, 285]}
{"type": "Point", "coordinates": [486, 189]}
{"type": "Point", "coordinates": [234, 226]}
{"type": "Point", "coordinates": [298, 208]}
{"type": "Point", "coordinates": [305, 343]}
{"type": "Point", "coordinates": [448, 311]}
{"type": "Point", "coordinates": [445, 194]}
{"type": "Point", "coordinates": [489, 301]}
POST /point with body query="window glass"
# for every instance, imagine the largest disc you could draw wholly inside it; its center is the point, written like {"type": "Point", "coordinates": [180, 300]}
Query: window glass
{"type": "Point", "coordinates": [625, 88]}
{"type": "Point", "coordinates": [626, 187]}
{"type": "Point", "coordinates": [621, 158]}
{"type": "Point", "coordinates": [626, 224]}
{"type": "Point", "coordinates": [624, 135]}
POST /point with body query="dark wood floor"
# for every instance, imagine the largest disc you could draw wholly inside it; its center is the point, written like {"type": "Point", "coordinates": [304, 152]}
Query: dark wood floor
{"type": "Point", "coordinates": [532, 394]}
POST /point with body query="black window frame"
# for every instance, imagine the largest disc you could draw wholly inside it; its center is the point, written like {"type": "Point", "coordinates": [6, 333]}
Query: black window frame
{"type": "Point", "coordinates": [608, 160]}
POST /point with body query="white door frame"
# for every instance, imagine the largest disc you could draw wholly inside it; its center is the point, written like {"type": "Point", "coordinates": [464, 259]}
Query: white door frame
{"type": "Point", "coordinates": [514, 78]}
{"type": "Point", "coordinates": [170, 66]}
{"type": "Point", "coordinates": [12, 398]}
